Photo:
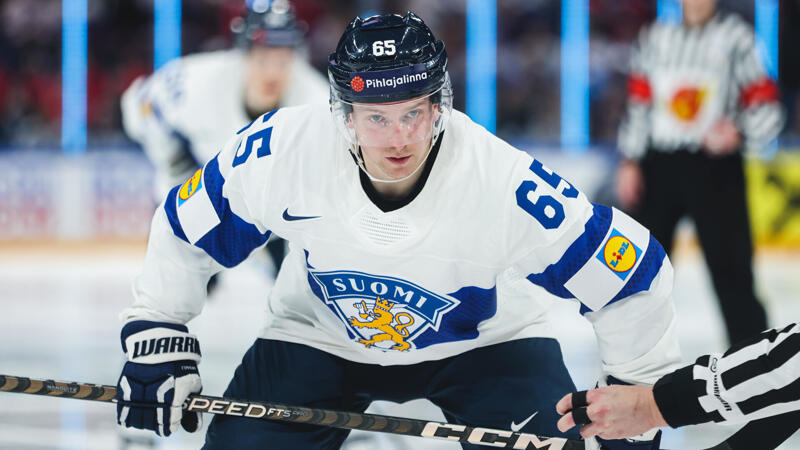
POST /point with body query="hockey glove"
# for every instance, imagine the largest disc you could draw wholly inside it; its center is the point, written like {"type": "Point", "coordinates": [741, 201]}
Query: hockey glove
{"type": "Point", "coordinates": [650, 440]}
{"type": "Point", "coordinates": [160, 374]}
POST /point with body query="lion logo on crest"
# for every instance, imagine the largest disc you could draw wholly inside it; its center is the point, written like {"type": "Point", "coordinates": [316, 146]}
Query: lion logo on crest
{"type": "Point", "coordinates": [382, 319]}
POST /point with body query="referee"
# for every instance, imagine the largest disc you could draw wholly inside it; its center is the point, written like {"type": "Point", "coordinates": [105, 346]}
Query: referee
{"type": "Point", "coordinates": [697, 97]}
{"type": "Point", "coordinates": [759, 378]}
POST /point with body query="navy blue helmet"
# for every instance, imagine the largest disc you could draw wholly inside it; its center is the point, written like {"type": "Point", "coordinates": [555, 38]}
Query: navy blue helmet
{"type": "Point", "coordinates": [387, 58]}
{"type": "Point", "coordinates": [269, 23]}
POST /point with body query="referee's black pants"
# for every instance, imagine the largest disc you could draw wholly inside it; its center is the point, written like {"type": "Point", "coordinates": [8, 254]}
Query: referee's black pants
{"type": "Point", "coordinates": [710, 190]}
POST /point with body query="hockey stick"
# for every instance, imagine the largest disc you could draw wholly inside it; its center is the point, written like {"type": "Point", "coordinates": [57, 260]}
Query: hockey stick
{"type": "Point", "coordinates": [311, 416]}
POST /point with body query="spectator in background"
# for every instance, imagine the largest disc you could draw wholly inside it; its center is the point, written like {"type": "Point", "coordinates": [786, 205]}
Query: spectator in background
{"type": "Point", "coordinates": [697, 97]}
{"type": "Point", "coordinates": [183, 114]}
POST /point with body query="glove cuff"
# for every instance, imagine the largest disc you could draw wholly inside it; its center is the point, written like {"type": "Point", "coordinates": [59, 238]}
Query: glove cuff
{"type": "Point", "coordinates": [146, 342]}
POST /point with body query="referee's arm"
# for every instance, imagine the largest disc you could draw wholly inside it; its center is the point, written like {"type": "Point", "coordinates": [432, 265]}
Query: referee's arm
{"type": "Point", "coordinates": [634, 131]}
{"type": "Point", "coordinates": [760, 115]}
{"type": "Point", "coordinates": [756, 378]}
{"type": "Point", "coordinates": [756, 381]}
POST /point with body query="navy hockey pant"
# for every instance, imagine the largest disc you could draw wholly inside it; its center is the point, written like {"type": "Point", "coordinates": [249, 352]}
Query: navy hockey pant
{"type": "Point", "coordinates": [489, 386]}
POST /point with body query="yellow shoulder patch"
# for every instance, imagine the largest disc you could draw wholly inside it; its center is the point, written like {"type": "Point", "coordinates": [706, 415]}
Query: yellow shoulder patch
{"type": "Point", "coordinates": [190, 186]}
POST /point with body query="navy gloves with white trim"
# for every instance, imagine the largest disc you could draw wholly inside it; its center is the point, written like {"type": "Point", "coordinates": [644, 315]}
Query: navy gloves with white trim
{"type": "Point", "coordinates": [160, 374]}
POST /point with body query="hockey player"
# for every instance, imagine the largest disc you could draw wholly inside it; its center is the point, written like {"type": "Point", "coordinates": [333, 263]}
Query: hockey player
{"type": "Point", "coordinates": [183, 113]}
{"type": "Point", "coordinates": [410, 231]}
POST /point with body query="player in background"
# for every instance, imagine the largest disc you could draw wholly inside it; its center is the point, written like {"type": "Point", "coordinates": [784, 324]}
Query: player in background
{"type": "Point", "coordinates": [183, 113]}
{"type": "Point", "coordinates": [411, 229]}
{"type": "Point", "coordinates": [698, 97]}
{"type": "Point", "coordinates": [755, 381]}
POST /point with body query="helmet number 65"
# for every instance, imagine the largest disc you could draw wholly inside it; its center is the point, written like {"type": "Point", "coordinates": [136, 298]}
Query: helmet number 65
{"type": "Point", "coordinates": [380, 48]}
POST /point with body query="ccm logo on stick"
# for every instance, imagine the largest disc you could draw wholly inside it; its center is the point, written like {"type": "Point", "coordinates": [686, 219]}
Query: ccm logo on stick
{"type": "Point", "coordinates": [487, 436]}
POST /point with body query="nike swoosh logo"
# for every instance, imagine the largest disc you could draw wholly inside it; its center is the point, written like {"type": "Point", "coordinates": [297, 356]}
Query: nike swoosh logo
{"type": "Point", "coordinates": [289, 217]}
{"type": "Point", "coordinates": [515, 427]}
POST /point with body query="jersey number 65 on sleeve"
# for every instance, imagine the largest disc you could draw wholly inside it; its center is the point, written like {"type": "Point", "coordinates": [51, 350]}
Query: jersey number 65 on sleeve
{"type": "Point", "coordinates": [538, 209]}
{"type": "Point", "coordinates": [263, 149]}
{"type": "Point", "coordinates": [264, 135]}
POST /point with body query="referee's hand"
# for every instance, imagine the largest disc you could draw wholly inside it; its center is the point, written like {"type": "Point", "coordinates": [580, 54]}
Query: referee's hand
{"type": "Point", "coordinates": [610, 412]}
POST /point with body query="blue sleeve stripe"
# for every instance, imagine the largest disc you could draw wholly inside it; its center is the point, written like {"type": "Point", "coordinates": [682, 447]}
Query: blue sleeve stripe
{"type": "Point", "coordinates": [213, 181]}
{"type": "Point", "coordinates": [555, 275]}
{"type": "Point", "coordinates": [170, 207]}
{"type": "Point", "coordinates": [647, 271]}
{"type": "Point", "coordinates": [230, 242]}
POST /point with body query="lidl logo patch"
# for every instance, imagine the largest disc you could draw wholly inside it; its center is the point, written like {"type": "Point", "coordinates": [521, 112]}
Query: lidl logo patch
{"type": "Point", "coordinates": [619, 254]}
{"type": "Point", "coordinates": [190, 187]}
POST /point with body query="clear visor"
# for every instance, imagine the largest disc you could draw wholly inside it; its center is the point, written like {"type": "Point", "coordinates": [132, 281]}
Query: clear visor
{"type": "Point", "coordinates": [393, 125]}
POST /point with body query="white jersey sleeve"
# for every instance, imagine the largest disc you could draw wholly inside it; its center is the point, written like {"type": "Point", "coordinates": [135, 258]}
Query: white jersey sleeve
{"type": "Point", "coordinates": [146, 106]}
{"type": "Point", "coordinates": [204, 225]}
{"type": "Point", "coordinates": [603, 258]}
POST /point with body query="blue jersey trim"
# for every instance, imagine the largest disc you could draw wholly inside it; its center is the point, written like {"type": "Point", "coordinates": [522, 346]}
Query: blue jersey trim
{"type": "Point", "coordinates": [576, 256]}
{"type": "Point", "coordinates": [232, 240]}
{"type": "Point", "coordinates": [461, 323]}
{"type": "Point", "coordinates": [171, 209]}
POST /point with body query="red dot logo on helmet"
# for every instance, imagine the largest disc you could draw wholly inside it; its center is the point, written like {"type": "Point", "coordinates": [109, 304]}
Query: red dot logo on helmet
{"type": "Point", "coordinates": [259, 37]}
{"type": "Point", "coordinates": [357, 83]}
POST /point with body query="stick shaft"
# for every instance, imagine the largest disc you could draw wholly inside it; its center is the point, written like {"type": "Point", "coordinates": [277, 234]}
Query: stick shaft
{"type": "Point", "coordinates": [83, 391]}
{"type": "Point", "coordinates": [310, 416]}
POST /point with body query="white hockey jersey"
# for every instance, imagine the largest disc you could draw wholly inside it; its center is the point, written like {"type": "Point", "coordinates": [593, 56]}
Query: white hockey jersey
{"type": "Point", "coordinates": [429, 280]}
{"type": "Point", "coordinates": [184, 113]}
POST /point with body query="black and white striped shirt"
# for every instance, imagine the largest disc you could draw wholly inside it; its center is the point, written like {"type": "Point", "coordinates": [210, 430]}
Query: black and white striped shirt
{"type": "Point", "coordinates": [756, 378]}
{"type": "Point", "coordinates": [684, 79]}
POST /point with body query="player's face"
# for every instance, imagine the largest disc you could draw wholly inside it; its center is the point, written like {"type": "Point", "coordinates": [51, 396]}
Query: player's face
{"type": "Point", "coordinates": [394, 137]}
{"type": "Point", "coordinates": [698, 12]}
{"type": "Point", "coordinates": [268, 74]}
